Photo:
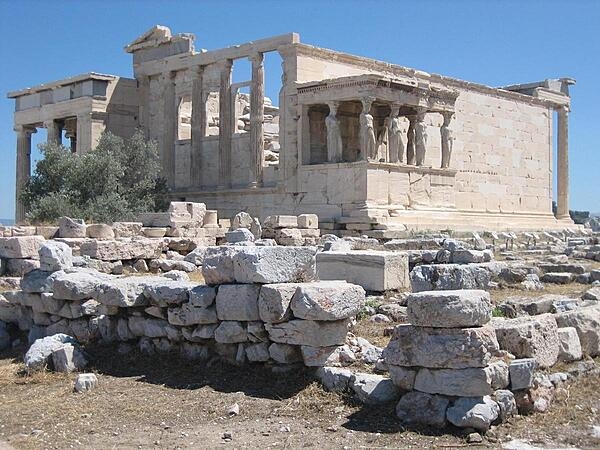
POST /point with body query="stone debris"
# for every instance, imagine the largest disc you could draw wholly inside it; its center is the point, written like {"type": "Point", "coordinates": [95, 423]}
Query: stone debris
{"type": "Point", "coordinates": [41, 352]}
{"type": "Point", "coordinates": [85, 382]}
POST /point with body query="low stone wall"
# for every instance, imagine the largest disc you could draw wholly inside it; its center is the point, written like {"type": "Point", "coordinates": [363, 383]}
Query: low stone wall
{"type": "Point", "coordinates": [260, 304]}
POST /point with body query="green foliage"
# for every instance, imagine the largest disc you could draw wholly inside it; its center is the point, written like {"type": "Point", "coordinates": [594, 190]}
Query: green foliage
{"type": "Point", "coordinates": [497, 312]}
{"type": "Point", "coordinates": [117, 180]}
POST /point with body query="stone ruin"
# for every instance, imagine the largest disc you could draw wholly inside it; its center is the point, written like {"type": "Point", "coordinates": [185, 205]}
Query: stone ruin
{"type": "Point", "coordinates": [279, 293]}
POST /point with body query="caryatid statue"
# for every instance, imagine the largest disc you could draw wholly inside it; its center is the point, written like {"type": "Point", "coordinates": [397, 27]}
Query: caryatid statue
{"type": "Point", "coordinates": [395, 141]}
{"type": "Point", "coordinates": [447, 139]}
{"type": "Point", "coordinates": [334, 136]}
{"type": "Point", "coordinates": [420, 138]}
{"type": "Point", "coordinates": [368, 144]}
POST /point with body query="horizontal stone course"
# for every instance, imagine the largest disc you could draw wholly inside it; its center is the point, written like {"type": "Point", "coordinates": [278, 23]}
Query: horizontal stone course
{"type": "Point", "coordinates": [449, 309]}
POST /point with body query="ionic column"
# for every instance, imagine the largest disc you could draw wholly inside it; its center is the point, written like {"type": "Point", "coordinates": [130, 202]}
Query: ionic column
{"type": "Point", "coordinates": [23, 169]}
{"type": "Point", "coordinates": [84, 132]}
{"type": "Point", "coordinates": [410, 141]}
{"type": "Point", "coordinates": [257, 114]}
{"type": "Point", "coordinates": [169, 126]}
{"type": "Point", "coordinates": [198, 125]}
{"type": "Point", "coordinates": [225, 124]}
{"type": "Point", "coordinates": [54, 131]}
{"type": "Point", "coordinates": [562, 197]}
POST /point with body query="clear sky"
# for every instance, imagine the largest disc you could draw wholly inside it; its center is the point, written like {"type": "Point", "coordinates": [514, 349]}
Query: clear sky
{"type": "Point", "coordinates": [490, 42]}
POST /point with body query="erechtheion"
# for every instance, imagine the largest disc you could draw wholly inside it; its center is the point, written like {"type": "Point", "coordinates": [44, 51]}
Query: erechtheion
{"type": "Point", "coordinates": [369, 146]}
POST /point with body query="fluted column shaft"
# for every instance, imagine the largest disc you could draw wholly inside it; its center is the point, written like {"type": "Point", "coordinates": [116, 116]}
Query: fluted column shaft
{"type": "Point", "coordinates": [257, 114]}
{"type": "Point", "coordinates": [562, 185]}
{"type": "Point", "coordinates": [225, 125]}
{"type": "Point", "coordinates": [23, 169]}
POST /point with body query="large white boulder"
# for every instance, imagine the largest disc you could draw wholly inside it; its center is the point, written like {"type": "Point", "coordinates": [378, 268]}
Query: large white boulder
{"type": "Point", "coordinates": [449, 309]}
{"type": "Point", "coordinates": [454, 348]}
{"type": "Point", "coordinates": [217, 265]}
{"type": "Point", "coordinates": [327, 300]}
{"type": "Point", "coordinates": [187, 315]}
{"type": "Point", "coordinates": [40, 352]}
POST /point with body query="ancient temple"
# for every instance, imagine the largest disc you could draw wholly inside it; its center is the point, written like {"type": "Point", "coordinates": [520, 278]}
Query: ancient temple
{"type": "Point", "coordinates": [369, 146]}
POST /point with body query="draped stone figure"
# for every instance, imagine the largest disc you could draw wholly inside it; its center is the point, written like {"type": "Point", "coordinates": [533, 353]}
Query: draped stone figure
{"type": "Point", "coordinates": [334, 136]}
{"type": "Point", "coordinates": [395, 141]}
{"type": "Point", "coordinates": [420, 139]}
{"type": "Point", "coordinates": [383, 141]}
{"type": "Point", "coordinates": [367, 131]}
{"type": "Point", "coordinates": [410, 141]}
{"type": "Point", "coordinates": [447, 136]}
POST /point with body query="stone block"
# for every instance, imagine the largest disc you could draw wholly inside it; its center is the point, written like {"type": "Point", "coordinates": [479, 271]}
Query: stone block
{"type": "Point", "coordinates": [284, 353]}
{"type": "Point", "coordinates": [274, 264]}
{"type": "Point", "coordinates": [274, 301]}
{"type": "Point", "coordinates": [68, 358]}
{"type": "Point", "coordinates": [100, 231]}
{"type": "Point", "coordinates": [71, 228]}
{"type": "Point", "coordinates": [570, 347]}
{"type": "Point", "coordinates": [308, 332]}
{"type": "Point", "coordinates": [231, 332]}
{"type": "Point", "coordinates": [275, 222]}
{"type": "Point", "coordinates": [463, 256]}
{"type": "Point", "coordinates": [127, 229]}
{"type": "Point", "coordinates": [521, 373]}
{"type": "Point", "coordinates": [327, 300]}
{"type": "Point", "coordinates": [165, 292]}
{"type": "Point", "coordinates": [418, 408]}
{"type": "Point", "coordinates": [449, 309]}
{"type": "Point", "coordinates": [403, 377]}
{"type": "Point", "coordinates": [124, 249]}
{"type": "Point", "coordinates": [587, 323]}
{"type": "Point", "coordinates": [40, 352]}
{"type": "Point", "coordinates": [334, 379]}
{"type": "Point", "coordinates": [373, 270]}
{"type": "Point", "coordinates": [47, 231]}
{"type": "Point", "coordinates": [258, 352]}
{"type": "Point", "coordinates": [55, 256]}
{"type": "Point", "coordinates": [22, 247]}
{"type": "Point", "coordinates": [238, 302]}
{"type": "Point", "coordinates": [196, 256]}
{"type": "Point", "coordinates": [449, 277]}
{"type": "Point", "coordinates": [308, 221]}
{"type": "Point", "coordinates": [454, 348]}
{"type": "Point", "coordinates": [85, 382]}
{"type": "Point", "coordinates": [373, 389]}
{"type": "Point", "coordinates": [506, 403]}
{"type": "Point", "coordinates": [79, 285]}
{"type": "Point", "coordinates": [123, 292]}
{"type": "Point", "coordinates": [474, 412]}
{"type": "Point", "coordinates": [241, 220]}
{"type": "Point", "coordinates": [558, 277]}
{"type": "Point", "coordinates": [530, 337]}
{"type": "Point", "coordinates": [217, 267]}
{"type": "Point", "coordinates": [187, 315]}
{"type": "Point", "coordinates": [470, 382]}
{"type": "Point", "coordinates": [239, 235]}
{"type": "Point", "coordinates": [21, 267]}
{"type": "Point", "coordinates": [202, 296]}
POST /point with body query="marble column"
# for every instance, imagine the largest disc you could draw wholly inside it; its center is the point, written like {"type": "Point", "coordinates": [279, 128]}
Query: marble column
{"type": "Point", "coordinates": [90, 126]}
{"type": "Point", "coordinates": [225, 124]}
{"type": "Point", "coordinates": [144, 93]}
{"type": "Point", "coordinates": [410, 141]}
{"type": "Point", "coordinates": [169, 126]}
{"type": "Point", "coordinates": [562, 196]}
{"type": "Point", "coordinates": [198, 125]}
{"type": "Point", "coordinates": [23, 169]}
{"type": "Point", "coordinates": [54, 132]}
{"type": "Point", "coordinates": [257, 114]}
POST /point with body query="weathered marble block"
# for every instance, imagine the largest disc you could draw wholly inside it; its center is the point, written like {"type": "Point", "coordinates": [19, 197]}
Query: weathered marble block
{"type": "Point", "coordinates": [449, 309]}
{"type": "Point", "coordinates": [587, 323]}
{"type": "Point", "coordinates": [238, 302]}
{"type": "Point", "coordinates": [308, 332]}
{"type": "Point", "coordinates": [449, 277]}
{"type": "Point", "coordinates": [373, 270]}
{"type": "Point", "coordinates": [455, 348]}
{"type": "Point", "coordinates": [55, 256]}
{"type": "Point", "coordinates": [113, 250]}
{"type": "Point", "coordinates": [25, 247]}
{"type": "Point", "coordinates": [274, 301]}
{"type": "Point", "coordinates": [327, 300]}
{"type": "Point", "coordinates": [273, 264]}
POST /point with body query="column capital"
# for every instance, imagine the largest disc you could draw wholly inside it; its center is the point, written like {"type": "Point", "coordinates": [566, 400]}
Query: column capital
{"type": "Point", "coordinates": [25, 129]}
{"type": "Point", "coordinates": [224, 64]}
{"type": "Point", "coordinates": [256, 58]}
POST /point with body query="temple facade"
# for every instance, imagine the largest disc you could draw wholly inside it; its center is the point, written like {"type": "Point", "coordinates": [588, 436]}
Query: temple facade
{"type": "Point", "coordinates": [370, 147]}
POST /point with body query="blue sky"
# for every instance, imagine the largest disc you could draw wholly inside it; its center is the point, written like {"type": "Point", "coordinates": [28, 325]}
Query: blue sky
{"type": "Point", "coordinates": [489, 42]}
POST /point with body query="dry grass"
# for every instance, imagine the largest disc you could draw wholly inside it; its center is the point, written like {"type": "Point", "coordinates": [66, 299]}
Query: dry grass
{"type": "Point", "coordinates": [573, 290]}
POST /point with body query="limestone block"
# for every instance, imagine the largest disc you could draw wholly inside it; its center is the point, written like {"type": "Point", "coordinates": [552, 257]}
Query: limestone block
{"type": "Point", "coordinates": [474, 412]}
{"type": "Point", "coordinates": [275, 222]}
{"type": "Point", "coordinates": [231, 332]}
{"type": "Point", "coordinates": [85, 382]}
{"type": "Point", "coordinates": [155, 328]}
{"type": "Point", "coordinates": [55, 256]}
{"type": "Point", "coordinates": [258, 352]}
{"type": "Point", "coordinates": [79, 285]}
{"type": "Point", "coordinates": [449, 277]}
{"type": "Point", "coordinates": [327, 356]}
{"type": "Point", "coordinates": [418, 408]}
{"type": "Point", "coordinates": [113, 250]}
{"type": "Point", "coordinates": [469, 382]}
{"type": "Point", "coordinates": [22, 247]}
{"type": "Point", "coordinates": [187, 315]}
{"type": "Point", "coordinates": [558, 277]}
{"type": "Point", "coordinates": [71, 228]}
{"type": "Point", "coordinates": [310, 221]}
{"type": "Point", "coordinates": [327, 300]}
{"type": "Point", "coordinates": [449, 309]}
{"type": "Point", "coordinates": [530, 337]}
{"type": "Point", "coordinates": [570, 347]}
{"type": "Point", "coordinates": [521, 373]}
{"type": "Point", "coordinates": [22, 230]}
{"type": "Point", "coordinates": [455, 348]}
{"type": "Point", "coordinates": [562, 268]}
{"type": "Point", "coordinates": [289, 236]}
{"type": "Point", "coordinates": [241, 220]}
{"type": "Point", "coordinates": [202, 296]}
{"type": "Point", "coordinates": [123, 292]}
{"type": "Point", "coordinates": [165, 292]}
{"type": "Point", "coordinates": [167, 265]}
{"type": "Point", "coordinates": [100, 231]}
{"type": "Point", "coordinates": [47, 231]}
{"type": "Point", "coordinates": [373, 389]}
{"type": "Point", "coordinates": [217, 267]}
{"type": "Point", "coordinates": [68, 359]}
{"type": "Point", "coordinates": [334, 379]}
{"type": "Point", "coordinates": [464, 256]}
{"type": "Point", "coordinates": [587, 323]}
{"type": "Point", "coordinates": [40, 352]}
{"type": "Point", "coordinates": [238, 302]}
{"type": "Point", "coordinates": [274, 302]}
{"type": "Point", "coordinates": [20, 267]}
{"type": "Point", "coordinates": [196, 256]}
{"type": "Point", "coordinates": [284, 353]}
{"type": "Point", "coordinates": [373, 270]}
{"type": "Point", "coordinates": [127, 229]}
{"type": "Point", "coordinates": [402, 377]}
{"type": "Point", "coordinates": [274, 264]}
{"type": "Point", "coordinates": [506, 403]}
{"type": "Point", "coordinates": [308, 332]}
{"type": "Point", "coordinates": [239, 235]}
